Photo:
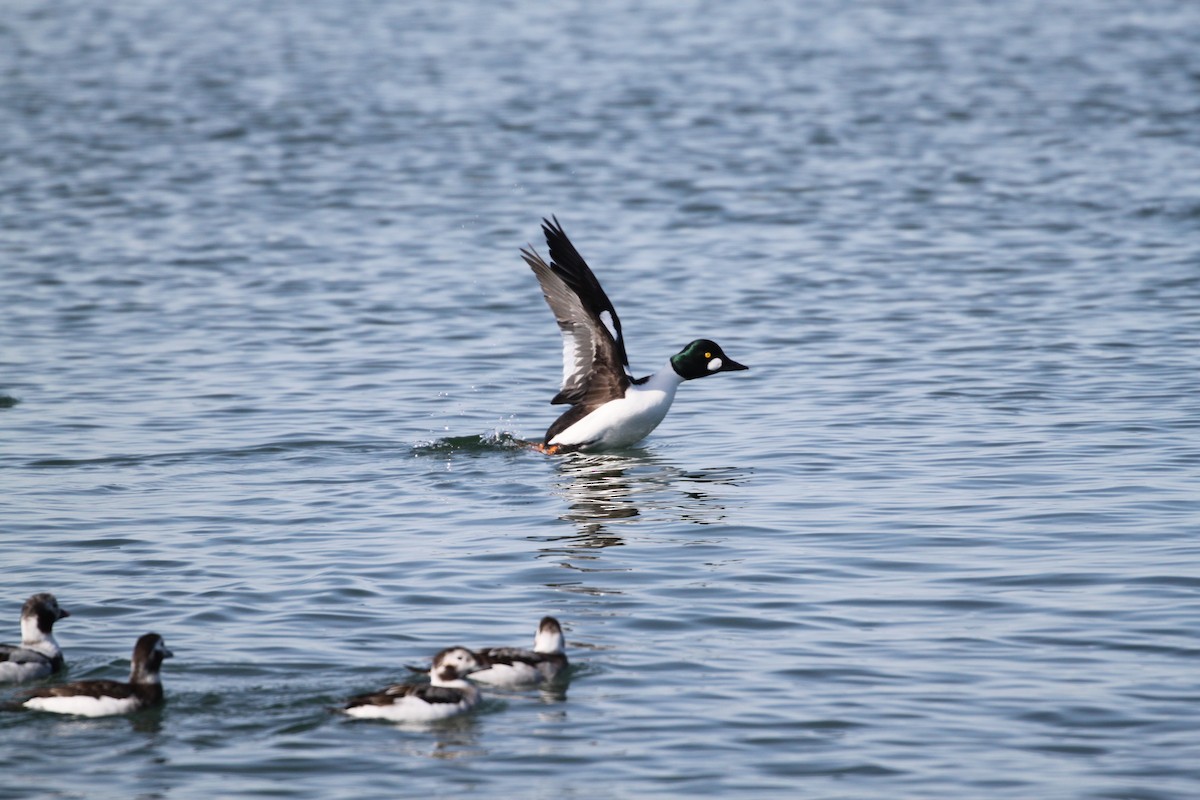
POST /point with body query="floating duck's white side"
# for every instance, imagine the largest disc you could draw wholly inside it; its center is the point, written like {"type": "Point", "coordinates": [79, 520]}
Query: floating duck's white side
{"type": "Point", "coordinates": [626, 420]}
{"type": "Point", "coordinates": [86, 705]}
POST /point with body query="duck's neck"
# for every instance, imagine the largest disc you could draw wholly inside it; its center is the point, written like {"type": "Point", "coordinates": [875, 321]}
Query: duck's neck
{"type": "Point", "coordinates": [665, 380]}
{"type": "Point", "coordinates": [548, 642]}
{"type": "Point", "coordinates": [142, 675]}
{"type": "Point", "coordinates": [33, 637]}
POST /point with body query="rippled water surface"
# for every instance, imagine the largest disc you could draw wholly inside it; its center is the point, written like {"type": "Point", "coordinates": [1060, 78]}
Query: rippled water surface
{"type": "Point", "coordinates": [269, 341]}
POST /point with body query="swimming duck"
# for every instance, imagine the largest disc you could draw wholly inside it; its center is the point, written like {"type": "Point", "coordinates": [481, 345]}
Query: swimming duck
{"type": "Point", "coordinates": [609, 407]}
{"type": "Point", "coordinates": [104, 698]}
{"type": "Point", "coordinates": [516, 666]}
{"type": "Point", "coordinates": [38, 655]}
{"type": "Point", "coordinates": [446, 695]}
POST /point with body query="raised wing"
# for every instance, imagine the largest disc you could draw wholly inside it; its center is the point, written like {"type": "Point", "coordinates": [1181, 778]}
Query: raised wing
{"type": "Point", "coordinates": [595, 366]}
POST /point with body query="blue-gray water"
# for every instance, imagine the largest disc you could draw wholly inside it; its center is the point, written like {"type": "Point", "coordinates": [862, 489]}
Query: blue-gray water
{"type": "Point", "coordinates": [267, 332]}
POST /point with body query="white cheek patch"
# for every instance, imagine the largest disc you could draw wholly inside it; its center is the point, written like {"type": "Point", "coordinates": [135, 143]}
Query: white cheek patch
{"type": "Point", "coordinates": [715, 365]}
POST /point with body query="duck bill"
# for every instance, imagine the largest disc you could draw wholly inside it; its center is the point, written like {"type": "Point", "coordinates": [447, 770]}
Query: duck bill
{"type": "Point", "coordinates": [729, 365]}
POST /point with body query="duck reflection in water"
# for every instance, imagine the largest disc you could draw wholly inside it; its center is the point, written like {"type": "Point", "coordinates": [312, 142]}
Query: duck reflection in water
{"type": "Point", "coordinates": [606, 491]}
{"type": "Point", "coordinates": [447, 740]}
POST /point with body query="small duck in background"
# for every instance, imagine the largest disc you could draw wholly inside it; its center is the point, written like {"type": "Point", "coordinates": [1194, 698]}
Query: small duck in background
{"type": "Point", "coordinates": [103, 698]}
{"type": "Point", "coordinates": [38, 655]}
{"type": "Point", "coordinates": [515, 666]}
{"type": "Point", "coordinates": [610, 409]}
{"type": "Point", "coordinates": [447, 694]}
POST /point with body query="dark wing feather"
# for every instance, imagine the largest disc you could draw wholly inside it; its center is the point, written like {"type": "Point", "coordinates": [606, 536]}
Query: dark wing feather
{"type": "Point", "coordinates": [427, 692]}
{"type": "Point", "coordinates": [383, 697]}
{"type": "Point", "coordinates": [98, 688]}
{"type": "Point", "coordinates": [570, 266]}
{"type": "Point", "coordinates": [21, 655]}
{"type": "Point", "coordinates": [513, 655]}
{"type": "Point", "coordinates": [594, 361]}
{"type": "Point", "coordinates": [566, 420]}
{"type": "Point", "coordinates": [439, 694]}
{"type": "Point", "coordinates": [509, 655]}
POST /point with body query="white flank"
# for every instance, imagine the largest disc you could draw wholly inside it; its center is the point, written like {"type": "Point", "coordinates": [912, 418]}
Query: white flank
{"type": "Point", "coordinates": [413, 709]}
{"type": "Point", "coordinates": [17, 671]}
{"type": "Point", "coordinates": [509, 675]}
{"type": "Point", "coordinates": [628, 420]}
{"type": "Point", "coordinates": [84, 706]}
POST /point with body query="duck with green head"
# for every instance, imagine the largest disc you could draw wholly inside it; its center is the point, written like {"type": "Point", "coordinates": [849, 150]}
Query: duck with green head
{"type": "Point", "coordinates": [610, 409]}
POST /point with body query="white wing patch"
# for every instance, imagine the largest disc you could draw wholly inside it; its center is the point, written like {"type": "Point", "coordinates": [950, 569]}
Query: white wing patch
{"type": "Point", "coordinates": [607, 319]}
{"type": "Point", "coordinates": [570, 358]}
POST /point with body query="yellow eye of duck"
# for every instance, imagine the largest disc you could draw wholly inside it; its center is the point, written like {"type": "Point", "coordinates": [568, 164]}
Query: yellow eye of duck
{"type": "Point", "coordinates": [708, 355]}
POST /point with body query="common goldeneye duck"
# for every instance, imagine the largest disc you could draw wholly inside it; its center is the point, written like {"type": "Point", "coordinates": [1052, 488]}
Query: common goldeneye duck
{"type": "Point", "coordinates": [104, 698]}
{"type": "Point", "coordinates": [609, 407]}
{"type": "Point", "coordinates": [447, 694]}
{"type": "Point", "coordinates": [516, 666]}
{"type": "Point", "coordinates": [38, 655]}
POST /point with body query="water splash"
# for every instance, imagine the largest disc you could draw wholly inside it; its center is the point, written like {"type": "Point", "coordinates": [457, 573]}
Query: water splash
{"type": "Point", "coordinates": [495, 442]}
